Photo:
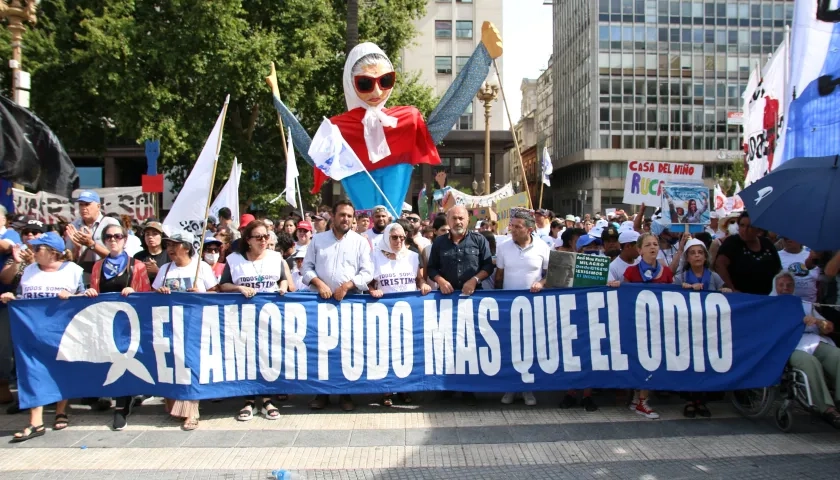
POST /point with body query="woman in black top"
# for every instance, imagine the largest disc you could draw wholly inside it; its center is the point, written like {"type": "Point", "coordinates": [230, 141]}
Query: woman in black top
{"type": "Point", "coordinates": [746, 261]}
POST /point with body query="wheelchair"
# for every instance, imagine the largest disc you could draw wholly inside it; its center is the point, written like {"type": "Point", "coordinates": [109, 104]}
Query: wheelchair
{"type": "Point", "coordinates": [792, 390]}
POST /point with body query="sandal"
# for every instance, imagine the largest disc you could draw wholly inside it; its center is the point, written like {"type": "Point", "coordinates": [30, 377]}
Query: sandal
{"type": "Point", "coordinates": [190, 424]}
{"type": "Point", "coordinates": [247, 412]}
{"type": "Point", "coordinates": [269, 411]}
{"type": "Point", "coordinates": [690, 410]}
{"type": "Point", "coordinates": [703, 411]}
{"type": "Point", "coordinates": [387, 401]}
{"type": "Point", "coordinates": [61, 422]}
{"type": "Point", "coordinates": [34, 431]}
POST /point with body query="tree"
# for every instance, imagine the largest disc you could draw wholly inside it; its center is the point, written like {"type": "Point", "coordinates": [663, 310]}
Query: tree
{"type": "Point", "coordinates": [110, 71]}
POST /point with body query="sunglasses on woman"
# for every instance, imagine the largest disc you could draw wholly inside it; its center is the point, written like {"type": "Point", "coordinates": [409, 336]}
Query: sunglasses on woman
{"type": "Point", "coordinates": [260, 237]}
{"type": "Point", "coordinates": [365, 83]}
{"type": "Point", "coordinates": [400, 238]}
{"type": "Point", "coordinates": [114, 236]}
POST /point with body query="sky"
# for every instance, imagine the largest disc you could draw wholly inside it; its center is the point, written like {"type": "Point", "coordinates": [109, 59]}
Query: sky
{"type": "Point", "coordinates": [526, 36]}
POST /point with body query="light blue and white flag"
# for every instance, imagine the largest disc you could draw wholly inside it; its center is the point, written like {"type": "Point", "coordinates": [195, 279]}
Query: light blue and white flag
{"type": "Point", "coordinates": [547, 167]}
{"type": "Point", "coordinates": [331, 153]}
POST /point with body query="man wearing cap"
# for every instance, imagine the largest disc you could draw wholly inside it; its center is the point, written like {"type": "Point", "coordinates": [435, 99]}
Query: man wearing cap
{"type": "Point", "coordinates": [628, 257]}
{"type": "Point", "coordinates": [153, 255]}
{"type": "Point", "coordinates": [84, 236]}
{"type": "Point", "coordinates": [319, 223]}
{"type": "Point", "coordinates": [610, 242]}
{"type": "Point", "coordinates": [381, 219]}
{"type": "Point", "coordinates": [543, 219]}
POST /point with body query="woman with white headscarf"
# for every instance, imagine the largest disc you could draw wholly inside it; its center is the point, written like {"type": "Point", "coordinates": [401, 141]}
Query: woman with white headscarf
{"type": "Point", "coordinates": [816, 354]}
{"type": "Point", "coordinates": [396, 269]}
{"type": "Point", "coordinates": [389, 142]}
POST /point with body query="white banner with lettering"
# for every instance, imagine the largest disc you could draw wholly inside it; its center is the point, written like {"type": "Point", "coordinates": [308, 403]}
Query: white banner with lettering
{"type": "Point", "coordinates": [52, 209]}
{"type": "Point", "coordinates": [462, 198]}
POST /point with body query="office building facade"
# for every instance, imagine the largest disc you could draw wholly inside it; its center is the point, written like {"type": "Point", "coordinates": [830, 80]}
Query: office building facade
{"type": "Point", "coordinates": [651, 80]}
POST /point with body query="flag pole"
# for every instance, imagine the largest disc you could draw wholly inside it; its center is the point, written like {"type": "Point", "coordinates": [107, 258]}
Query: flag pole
{"type": "Point", "coordinates": [210, 191]}
{"type": "Point", "coordinates": [542, 186]}
{"type": "Point", "coordinates": [300, 200]}
{"type": "Point", "coordinates": [515, 141]}
{"type": "Point", "coordinates": [278, 196]}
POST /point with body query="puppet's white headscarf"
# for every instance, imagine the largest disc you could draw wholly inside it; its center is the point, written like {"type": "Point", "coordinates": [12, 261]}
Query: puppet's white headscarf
{"type": "Point", "coordinates": [375, 119]}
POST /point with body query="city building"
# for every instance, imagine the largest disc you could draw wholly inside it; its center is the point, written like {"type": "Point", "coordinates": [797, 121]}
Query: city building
{"type": "Point", "coordinates": [446, 37]}
{"type": "Point", "coordinates": [650, 80]}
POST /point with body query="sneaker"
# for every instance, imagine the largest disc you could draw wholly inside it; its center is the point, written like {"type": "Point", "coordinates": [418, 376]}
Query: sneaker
{"type": "Point", "coordinates": [529, 399]}
{"type": "Point", "coordinates": [634, 401]}
{"type": "Point", "coordinates": [568, 401]}
{"type": "Point", "coordinates": [508, 398]}
{"type": "Point", "coordinates": [120, 420]}
{"type": "Point", "coordinates": [588, 404]}
{"type": "Point", "coordinates": [642, 408]}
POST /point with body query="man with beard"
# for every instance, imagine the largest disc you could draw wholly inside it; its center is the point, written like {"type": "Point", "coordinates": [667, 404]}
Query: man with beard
{"type": "Point", "coordinates": [460, 261]}
{"type": "Point", "coordinates": [337, 262]}
{"type": "Point", "coordinates": [609, 239]}
{"type": "Point", "coordinates": [381, 219]}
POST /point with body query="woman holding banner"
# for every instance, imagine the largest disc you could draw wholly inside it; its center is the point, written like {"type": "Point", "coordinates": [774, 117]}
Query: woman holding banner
{"type": "Point", "coordinates": [52, 275]}
{"type": "Point", "coordinates": [648, 270]}
{"type": "Point", "coordinates": [118, 273]}
{"type": "Point", "coordinates": [396, 269]}
{"type": "Point", "coordinates": [696, 275]}
{"type": "Point", "coordinates": [178, 276]}
{"type": "Point", "coordinates": [256, 269]}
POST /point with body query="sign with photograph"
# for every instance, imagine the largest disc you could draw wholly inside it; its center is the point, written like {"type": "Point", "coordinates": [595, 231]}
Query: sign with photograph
{"type": "Point", "coordinates": [569, 269]}
{"type": "Point", "coordinates": [686, 204]}
{"type": "Point", "coordinates": [644, 180]}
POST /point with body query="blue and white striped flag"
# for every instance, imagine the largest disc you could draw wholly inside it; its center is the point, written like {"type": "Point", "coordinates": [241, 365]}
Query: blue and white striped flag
{"type": "Point", "coordinates": [547, 167]}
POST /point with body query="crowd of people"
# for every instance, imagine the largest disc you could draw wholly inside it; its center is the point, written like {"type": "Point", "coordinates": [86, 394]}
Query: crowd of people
{"type": "Point", "coordinates": [336, 251]}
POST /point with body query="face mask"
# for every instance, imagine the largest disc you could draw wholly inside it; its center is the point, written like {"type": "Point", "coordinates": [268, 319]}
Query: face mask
{"type": "Point", "coordinates": [733, 229]}
{"type": "Point", "coordinates": [211, 257]}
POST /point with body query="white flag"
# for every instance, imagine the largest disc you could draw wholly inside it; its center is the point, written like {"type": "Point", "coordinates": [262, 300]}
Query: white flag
{"type": "Point", "coordinates": [189, 209]}
{"type": "Point", "coordinates": [737, 203]}
{"type": "Point", "coordinates": [291, 173]}
{"type": "Point", "coordinates": [764, 117]}
{"type": "Point", "coordinates": [547, 167]}
{"type": "Point", "coordinates": [720, 202]}
{"type": "Point", "coordinates": [229, 195]}
{"type": "Point", "coordinates": [331, 153]}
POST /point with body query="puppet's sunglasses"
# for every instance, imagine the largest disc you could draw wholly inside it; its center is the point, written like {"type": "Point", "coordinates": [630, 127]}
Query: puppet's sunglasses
{"type": "Point", "coordinates": [365, 83]}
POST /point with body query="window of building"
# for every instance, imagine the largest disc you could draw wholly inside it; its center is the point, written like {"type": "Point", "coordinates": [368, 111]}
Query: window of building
{"type": "Point", "coordinates": [443, 65]}
{"type": "Point", "coordinates": [443, 28]}
{"type": "Point", "coordinates": [462, 166]}
{"type": "Point", "coordinates": [464, 29]}
{"type": "Point", "coordinates": [459, 63]}
{"type": "Point", "coordinates": [465, 121]}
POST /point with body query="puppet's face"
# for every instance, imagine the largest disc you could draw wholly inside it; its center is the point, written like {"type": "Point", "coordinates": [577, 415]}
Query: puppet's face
{"type": "Point", "coordinates": [374, 83]}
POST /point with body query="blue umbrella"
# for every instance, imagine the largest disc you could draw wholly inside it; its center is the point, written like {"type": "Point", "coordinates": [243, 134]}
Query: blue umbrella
{"type": "Point", "coordinates": [801, 200]}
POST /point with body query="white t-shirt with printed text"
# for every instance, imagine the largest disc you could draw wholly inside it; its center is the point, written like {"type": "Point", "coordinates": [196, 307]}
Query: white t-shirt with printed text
{"type": "Point", "coordinates": [263, 275]}
{"type": "Point", "coordinates": [395, 275]}
{"type": "Point", "coordinates": [806, 280]}
{"type": "Point", "coordinates": [179, 279]}
{"type": "Point", "coordinates": [36, 283]}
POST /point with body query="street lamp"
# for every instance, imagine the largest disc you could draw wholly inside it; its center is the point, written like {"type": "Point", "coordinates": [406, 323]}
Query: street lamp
{"type": "Point", "coordinates": [475, 187]}
{"type": "Point", "coordinates": [487, 94]}
{"type": "Point", "coordinates": [17, 13]}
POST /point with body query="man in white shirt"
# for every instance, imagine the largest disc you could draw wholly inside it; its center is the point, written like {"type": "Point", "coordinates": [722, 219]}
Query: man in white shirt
{"type": "Point", "coordinates": [380, 219]}
{"type": "Point", "coordinates": [628, 257]}
{"type": "Point", "coordinates": [83, 237]}
{"type": "Point", "coordinates": [543, 219]}
{"type": "Point", "coordinates": [521, 264]}
{"type": "Point", "coordinates": [802, 264]}
{"type": "Point", "coordinates": [338, 262]}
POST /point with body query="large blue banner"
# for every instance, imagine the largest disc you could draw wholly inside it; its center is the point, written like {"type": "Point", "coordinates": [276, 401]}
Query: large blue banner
{"type": "Point", "coordinates": [197, 346]}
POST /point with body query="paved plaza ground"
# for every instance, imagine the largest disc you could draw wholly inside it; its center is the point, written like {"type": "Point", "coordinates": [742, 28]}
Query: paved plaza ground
{"type": "Point", "coordinates": [429, 439]}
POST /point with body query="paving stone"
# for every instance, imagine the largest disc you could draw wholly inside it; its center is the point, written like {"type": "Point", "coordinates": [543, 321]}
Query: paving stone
{"type": "Point", "coordinates": [432, 436]}
{"type": "Point", "coordinates": [323, 438]}
{"type": "Point", "coordinates": [384, 437]}
{"type": "Point", "coordinates": [199, 438]}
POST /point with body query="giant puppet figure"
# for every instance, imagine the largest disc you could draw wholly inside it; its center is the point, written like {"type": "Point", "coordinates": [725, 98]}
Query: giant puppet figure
{"type": "Point", "coordinates": [390, 141]}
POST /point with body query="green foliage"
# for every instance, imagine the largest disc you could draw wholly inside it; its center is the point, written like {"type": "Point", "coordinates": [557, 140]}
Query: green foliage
{"type": "Point", "coordinates": [108, 72]}
{"type": "Point", "coordinates": [738, 174]}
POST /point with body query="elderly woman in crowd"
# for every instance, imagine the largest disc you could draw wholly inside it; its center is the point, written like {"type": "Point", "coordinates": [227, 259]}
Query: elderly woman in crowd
{"type": "Point", "coordinates": [212, 253]}
{"type": "Point", "coordinates": [51, 275]}
{"type": "Point", "coordinates": [648, 270]}
{"type": "Point", "coordinates": [118, 273]}
{"type": "Point", "coordinates": [256, 269]}
{"type": "Point", "coordinates": [816, 354]}
{"type": "Point", "coordinates": [396, 269]}
{"type": "Point", "coordinates": [696, 275]}
{"type": "Point", "coordinates": [178, 276]}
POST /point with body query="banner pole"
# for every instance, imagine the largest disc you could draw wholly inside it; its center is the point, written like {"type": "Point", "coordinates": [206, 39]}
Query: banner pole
{"type": "Point", "coordinates": [210, 191]}
{"type": "Point", "coordinates": [542, 186]}
{"type": "Point", "coordinates": [515, 141]}
{"type": "Point", "coordinates": [300, 200]}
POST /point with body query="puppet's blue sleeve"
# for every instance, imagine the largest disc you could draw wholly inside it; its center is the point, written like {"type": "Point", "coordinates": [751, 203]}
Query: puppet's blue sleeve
{"type": "Point", "coordinates": [460, 94]}
{"type": "Point", "coordinates": [300, 138]}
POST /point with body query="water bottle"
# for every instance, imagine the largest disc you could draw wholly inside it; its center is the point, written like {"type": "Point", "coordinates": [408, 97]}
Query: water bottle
{"type": "Point", "coordinates": [283, 475]}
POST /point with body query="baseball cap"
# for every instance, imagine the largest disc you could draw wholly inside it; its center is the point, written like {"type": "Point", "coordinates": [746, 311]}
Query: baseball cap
{"type": "Point", "coordinates": [596, 231]}
{"type": "Point", "coordinates": [318, 216]}
{"type": "Point", "coordinates": [693, 243]}
{"type": "Point", "coordinates": [304, 225]}
{"type": "Point", "coordinates": [543, 212]}
{"type": "Point", "coordinates": [609, 233]}
{"type": "Point", "coordinates": [154, 226]}
{"type": "Point", "coordinates": [628, 236]}
{"type": "Point", "coordinates": [88, 196]}
{"type": "Point", "coordinates": [212, 219]}
{"type": "Point", "coordinates": [626, 227]}
{"type": "Point", "coordinates": [585, 240]}
{"type": "Point", "coordinates": [300, 253]}
{"type": "Point", "coordinates": [209, 238]}
{"type": "Point", "coordinates": [50, 239]}
{"type": "Point", "coordinates": [23, 222]}
{"type": "Point", "coordinates": [245, 219]}
{"type": "Point", "coordinates": [602, 223]}
{"type": "Point", "coordinates": [570, 218]}
{"type": "Point", "coordinates": [181, 236]}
